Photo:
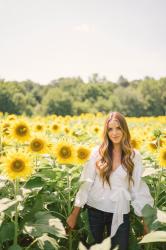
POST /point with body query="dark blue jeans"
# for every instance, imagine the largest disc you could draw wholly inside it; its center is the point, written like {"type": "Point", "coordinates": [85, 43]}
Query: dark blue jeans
{"type": "Point", "coordinates": [100, 226]}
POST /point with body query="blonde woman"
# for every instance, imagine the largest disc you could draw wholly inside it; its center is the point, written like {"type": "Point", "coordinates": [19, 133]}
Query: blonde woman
{"type": "Point", "coordinates": [110, 180]}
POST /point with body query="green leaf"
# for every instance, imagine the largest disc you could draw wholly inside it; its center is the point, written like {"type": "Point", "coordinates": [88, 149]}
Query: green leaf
{"type": "Point", "coordinates": [7, 231]}
{"type": "Point", "coordinates": [45, 223]}
{"type": "Point", "coordinates": [35, 182]}
{"type": "Point", "coordinates": [150, 214]}
{"type": "Point", "coordinates": [155, 218]}
{"type": "Point", "coordinates": [15, 247]}
{"type": "Point", "coordinates": [45, 238]}
{"type": "Point", "coordinates": [47, 173]}
{"type": "Point", "coordinates": [5, 203]}
{"type": "Point", "coordinates": [2, 217]}
{"type": "Point", "coordinates": [157, 236]}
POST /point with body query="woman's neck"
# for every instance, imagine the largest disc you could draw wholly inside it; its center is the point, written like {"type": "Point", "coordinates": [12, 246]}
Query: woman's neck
{"type": "Point", "coordinates": [117, 148]}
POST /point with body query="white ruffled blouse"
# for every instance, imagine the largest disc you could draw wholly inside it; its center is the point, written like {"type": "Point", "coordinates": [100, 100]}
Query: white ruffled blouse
{"type": "Point", "coordinates": [116, 199]}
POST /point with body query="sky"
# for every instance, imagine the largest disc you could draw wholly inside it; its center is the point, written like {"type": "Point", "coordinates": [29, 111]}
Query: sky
{"type": "Point", "coordinates": [43, 40]}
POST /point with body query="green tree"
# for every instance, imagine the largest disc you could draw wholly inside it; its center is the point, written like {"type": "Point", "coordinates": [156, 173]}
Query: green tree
{"type": "Point", "coordinates": [57, 102]}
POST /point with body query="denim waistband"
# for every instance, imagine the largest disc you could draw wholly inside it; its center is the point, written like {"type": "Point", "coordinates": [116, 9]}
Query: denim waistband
{"type": "Point", "coordinates": [97, 210]}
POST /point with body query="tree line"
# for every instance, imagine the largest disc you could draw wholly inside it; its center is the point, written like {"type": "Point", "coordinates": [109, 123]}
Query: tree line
{"type": "Point", "coordinates": [72, 96]}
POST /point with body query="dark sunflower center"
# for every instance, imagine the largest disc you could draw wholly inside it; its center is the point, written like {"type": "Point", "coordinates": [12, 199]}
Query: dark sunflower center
{"type": "Point", "coordinates": [153, 145]}
{"type": "Point", "coordinates": [65, 152]}
{"type": "Point", "coordinates": [37, 145]}
{"type": "Point", "coordinates": [39, 127]}
{"type": "Point", "coordinates": [164, 155]}
{"type": "Point", "coordinates": [82, 154]}
{"type": "Point", "coordinates": [134, 143]}
{"type": "Point", "coordinates": [18, 165]}
{"type": "Point", "coordinates": [55, 127]}
{"type": "Point", "coordinates": [21, 130]}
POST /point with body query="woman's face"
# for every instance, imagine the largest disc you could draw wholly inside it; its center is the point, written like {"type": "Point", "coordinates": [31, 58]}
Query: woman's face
{"type": "Point", "coordinates": [115, 133]}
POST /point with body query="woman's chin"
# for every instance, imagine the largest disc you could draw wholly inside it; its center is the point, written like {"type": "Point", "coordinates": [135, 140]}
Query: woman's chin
{"type": "Point", "coordinates": [116, 142]}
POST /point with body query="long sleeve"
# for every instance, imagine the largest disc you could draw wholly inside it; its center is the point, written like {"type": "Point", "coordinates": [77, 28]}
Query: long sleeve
{"type": "Point", "coordinates": [140, 194]}
{"type": "Point", "coordinates": [87, 178]}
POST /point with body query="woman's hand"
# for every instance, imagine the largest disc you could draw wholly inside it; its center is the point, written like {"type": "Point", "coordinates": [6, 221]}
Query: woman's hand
{"type": "Point", "coordinates": [72, 219]}
{"type": "Point", "coordinates": [146, 230]}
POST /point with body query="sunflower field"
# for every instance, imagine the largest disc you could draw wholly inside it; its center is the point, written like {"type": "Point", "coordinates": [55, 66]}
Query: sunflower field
{"type": "Point", "coordinates": [41, 159]}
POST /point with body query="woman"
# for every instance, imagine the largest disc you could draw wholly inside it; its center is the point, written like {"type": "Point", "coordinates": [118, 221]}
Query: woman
{"type": "Point", "coordinates": [111, 178]}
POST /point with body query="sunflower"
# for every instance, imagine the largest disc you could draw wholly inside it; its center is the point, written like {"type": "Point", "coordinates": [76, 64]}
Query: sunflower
{"type": "Point", "coordinates": [162, 157]}
{"type": "Point", "coordinates": [136, 143]}
{"type": "Point", "coordinates": [17, 165]}
{"type": "Point", "coordinates": [152, 146]}
{"type": "Point", "coordinates": [20, 131]}
{"type": "Point", "coordinates": [5, 128]}
{"type": "Point", "coordinates": [66, 130]}
{"type": "Point", "coordinates": [11, 117]}
{"type": "Point", "coordinates": [38, 144]}
{"type": "Point", "coordinates": [65, 152]}
{"type": "Point", "coordinates": [96, 129]}
{"type": "Point", "coordinates": [82, 154]}
{"type": "Point", "coordinates": [39, 127]}
{"type": "Point", "coordinates": [55, 128]}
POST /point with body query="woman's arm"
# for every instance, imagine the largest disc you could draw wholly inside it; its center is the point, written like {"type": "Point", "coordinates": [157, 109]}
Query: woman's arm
{"type": "Point", "coordinates": [140, 193]}
{"type": "Point", "coordinates": [72, 219]}
{"type": "Point", "coordinates": [146, 229]}
{"type": "Point", "coordinates": [87, 179]}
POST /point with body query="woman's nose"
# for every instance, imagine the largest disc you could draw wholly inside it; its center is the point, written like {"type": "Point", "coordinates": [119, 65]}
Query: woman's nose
{"type": "Point", "coordinates": [114, 132]}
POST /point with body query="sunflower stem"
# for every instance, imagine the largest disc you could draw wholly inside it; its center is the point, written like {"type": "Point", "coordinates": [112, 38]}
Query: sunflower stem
{"type": "Point", "coordinates": [36, 161]}
{"type": "Point", "coordinates": [0, 145]}
{"type": "Point", "coordinates": [69, 203]}
{"type": "Point", "coordinates": [16, 213]}
{"type": "Point", "coordinates": [158, 186]}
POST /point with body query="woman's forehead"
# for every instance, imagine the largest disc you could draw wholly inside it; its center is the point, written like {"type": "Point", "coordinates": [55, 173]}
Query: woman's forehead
{"type": "Point", "coordinates": [113, 122]}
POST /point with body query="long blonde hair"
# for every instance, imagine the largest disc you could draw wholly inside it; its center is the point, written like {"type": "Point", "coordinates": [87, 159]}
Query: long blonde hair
{"type": "Point", "coordinates": [104, 163]}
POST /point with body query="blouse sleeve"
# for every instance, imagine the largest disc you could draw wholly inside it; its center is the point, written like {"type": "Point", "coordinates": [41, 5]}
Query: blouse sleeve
{"type": "Point", "coordinates": [87, 178]}
{"type": "Point", "coordinates": [140, 194]}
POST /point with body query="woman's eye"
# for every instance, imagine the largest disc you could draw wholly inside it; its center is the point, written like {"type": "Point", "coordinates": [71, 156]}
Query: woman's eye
{"type": "Point", "coordinates": [119, 128]}
{"type": "Point", "coordinates": [109, 129]}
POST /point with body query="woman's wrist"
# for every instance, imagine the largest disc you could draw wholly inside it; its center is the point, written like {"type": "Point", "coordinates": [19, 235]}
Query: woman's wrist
{"type": "Point", "coordinates": [76, 211]}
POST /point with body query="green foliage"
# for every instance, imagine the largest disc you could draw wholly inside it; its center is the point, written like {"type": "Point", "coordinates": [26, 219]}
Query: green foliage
{"type": "Point", "coordinates": [15, 247]}
{"type": "Point", "coordinates": [43, 241]}
{"type": "Point", "coordinates": [57, 102]}
{"type": "Point", "coordinates": [72, 96]}
{"type": "Point", "coordinates": [37, 227]}
{"type": "Point", "coordinates": [44, 222]}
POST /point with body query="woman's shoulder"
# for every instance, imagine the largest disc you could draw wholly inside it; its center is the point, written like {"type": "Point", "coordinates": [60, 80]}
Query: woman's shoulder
{"type": "Point", "coordinates": [136, 155]}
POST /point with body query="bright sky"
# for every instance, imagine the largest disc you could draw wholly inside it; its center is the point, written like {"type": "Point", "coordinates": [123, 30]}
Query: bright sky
{"type": "Point", "coordinates": [43, 40]}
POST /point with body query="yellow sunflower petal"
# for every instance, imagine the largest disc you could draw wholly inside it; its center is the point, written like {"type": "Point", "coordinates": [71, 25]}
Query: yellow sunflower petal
{"type": "Point", "coordinates": [20, 131]}
{"type": "Point", "coordinates": [83, 154]}
{"type": "Point", "coordinates": [39, 145]}
{"type": "Point", "coordinates": [17, 165]}
{"type": "Point", "coordinates": [162, 157]}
